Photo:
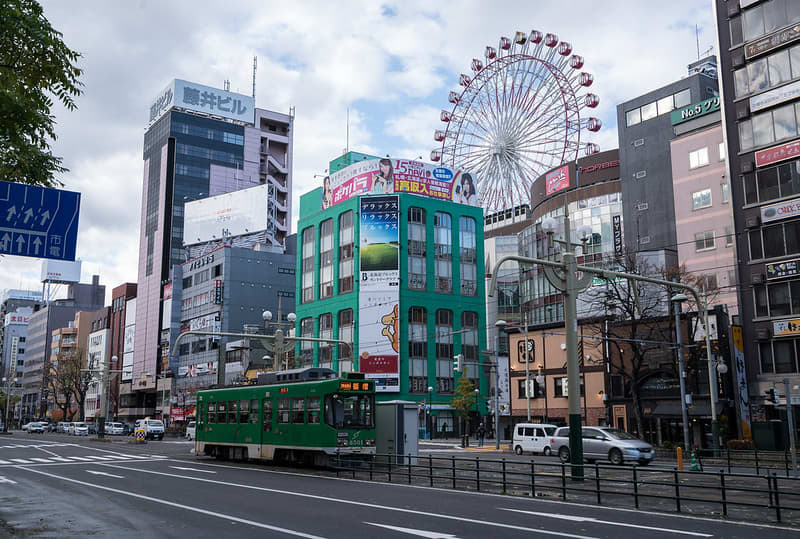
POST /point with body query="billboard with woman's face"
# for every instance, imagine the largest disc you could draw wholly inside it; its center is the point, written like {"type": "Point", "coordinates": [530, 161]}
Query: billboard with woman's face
{"type": "Point", "coordinates": [387, 176]}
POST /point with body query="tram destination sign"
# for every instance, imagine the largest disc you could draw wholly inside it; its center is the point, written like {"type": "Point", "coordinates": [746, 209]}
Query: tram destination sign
{"type": "Point", "coordinates": [779, 270]}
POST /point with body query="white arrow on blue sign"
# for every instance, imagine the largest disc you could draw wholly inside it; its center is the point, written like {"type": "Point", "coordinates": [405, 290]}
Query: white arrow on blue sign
{"type": "Point", "coordinates": [38, 221]}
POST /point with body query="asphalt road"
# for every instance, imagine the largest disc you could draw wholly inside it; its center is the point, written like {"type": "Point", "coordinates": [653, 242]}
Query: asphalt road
{"type": "Point", "coordinates": [59, 486]}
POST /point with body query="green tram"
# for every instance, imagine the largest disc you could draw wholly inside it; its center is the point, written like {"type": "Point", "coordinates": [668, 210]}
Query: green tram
{"type": "Point", "coordinates": [298, 415]}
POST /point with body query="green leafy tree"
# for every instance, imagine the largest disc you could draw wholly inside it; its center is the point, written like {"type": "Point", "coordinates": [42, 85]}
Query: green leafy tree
{"type": "Point", "coordinates": [464, 399]}
{"type": "Point", "coordinates": [35, 67]}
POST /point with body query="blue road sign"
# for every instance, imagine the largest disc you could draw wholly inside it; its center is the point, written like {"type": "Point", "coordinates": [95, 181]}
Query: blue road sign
{"type": "Point", "coordinates": [38, 221]}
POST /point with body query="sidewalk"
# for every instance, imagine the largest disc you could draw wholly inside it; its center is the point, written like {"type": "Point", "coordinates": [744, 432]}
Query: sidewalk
{"type": "Point", "coordinates": [455, 443]}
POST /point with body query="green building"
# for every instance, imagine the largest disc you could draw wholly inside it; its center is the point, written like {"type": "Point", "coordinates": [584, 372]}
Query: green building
{"type": "Point", "coordinates": [434, 310]}
{"type": "Point", "coordinates": [347, 159]}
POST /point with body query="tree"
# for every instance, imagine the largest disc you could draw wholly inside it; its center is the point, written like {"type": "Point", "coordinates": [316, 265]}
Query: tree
{"type": "Point", "coordinates": [35, 64]}
{"type": "Point", "coordinates": [641, 327]}
{"type": "Point", "coordinates": [464, 399]}
{"type": "Point", "coordinates": [61, 382]}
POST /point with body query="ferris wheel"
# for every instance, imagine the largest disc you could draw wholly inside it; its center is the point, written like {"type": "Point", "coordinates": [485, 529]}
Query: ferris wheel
{"type": "Point", "coordinates": [520, 113]}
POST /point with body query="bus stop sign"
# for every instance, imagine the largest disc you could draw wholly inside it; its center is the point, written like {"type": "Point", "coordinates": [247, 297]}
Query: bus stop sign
{"type": "Point", "coordinates": [38, 221]}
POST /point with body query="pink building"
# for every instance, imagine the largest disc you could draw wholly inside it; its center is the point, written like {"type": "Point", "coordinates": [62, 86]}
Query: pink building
{"type": "Point", "coordinates": [703, 215]}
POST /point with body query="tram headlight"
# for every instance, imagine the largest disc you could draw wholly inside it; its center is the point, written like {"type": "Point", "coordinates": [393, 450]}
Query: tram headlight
{"type": "Point", "coordinates": [369, 442]}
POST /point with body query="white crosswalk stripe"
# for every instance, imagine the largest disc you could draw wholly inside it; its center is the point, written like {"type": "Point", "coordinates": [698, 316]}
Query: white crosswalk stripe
{"type": "Point", "coordinates": [37, 459]}
{"type": "Point", "coordinates": [21, 461]}
{"type": "Point", "coordinates": [4, 462]}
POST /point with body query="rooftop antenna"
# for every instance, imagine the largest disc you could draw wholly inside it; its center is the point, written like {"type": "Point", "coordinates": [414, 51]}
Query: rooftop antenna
{"type": "Point", "coordinates": [347, 142]}
{"type": "Point", "coordinates": [255, 65]}
{"type": "Point", "coordinates": [226, 85]}
{"type": "Point", "coordinates": [697, 37]}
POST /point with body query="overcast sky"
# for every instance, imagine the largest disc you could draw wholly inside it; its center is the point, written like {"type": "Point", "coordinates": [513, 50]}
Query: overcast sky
{"type": "Point", "coordinates": [391, 63]}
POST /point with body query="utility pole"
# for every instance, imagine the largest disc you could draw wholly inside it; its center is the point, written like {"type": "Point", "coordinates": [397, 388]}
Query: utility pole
{"type": "Point", "coordinates": [790, 419]}
{"type": "Point", "coordinates": [528, 350]}
{"type": "Point", "coordinates": [712, 377]}
{"type": "Point", "coordinates": [676, 300]}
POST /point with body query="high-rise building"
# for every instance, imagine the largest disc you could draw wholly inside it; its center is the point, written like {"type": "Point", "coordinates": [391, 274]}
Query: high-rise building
{"type": "Point", "coordinates": [644, 130]}
{"type": "Point", "coordinates": [391, 258]}
{"type": "Point", "coordinates": [10, 301]}
{"type": "Point", "coordinates": [200, 142]}
{"type": "Point", "coordinates": [759, 44]}
{"type": "Point", "coordinates": [15, 333]}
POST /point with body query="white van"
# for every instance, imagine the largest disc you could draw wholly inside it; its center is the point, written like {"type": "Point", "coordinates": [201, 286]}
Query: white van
{"type": "Point", "coordinates": [533, 437]}
{"type": "Point", "coordinates": [191, 428]}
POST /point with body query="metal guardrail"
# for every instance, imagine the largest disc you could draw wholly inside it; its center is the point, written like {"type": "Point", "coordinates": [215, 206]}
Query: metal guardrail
{"type": "Point", "coordinates": [751, 459]}
{"type": "Point", "coordinates": [719, 493]}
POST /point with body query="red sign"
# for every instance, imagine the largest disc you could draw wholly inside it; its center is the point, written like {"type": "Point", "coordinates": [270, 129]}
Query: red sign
{"type": "Point", "coordinates": [777, 154]}
{"type": "Point", "coordinates": [557, 180]}
{"type": "Point", "coordinates": [385, 364]}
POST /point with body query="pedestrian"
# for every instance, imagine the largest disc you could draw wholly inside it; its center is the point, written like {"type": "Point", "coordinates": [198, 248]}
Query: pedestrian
{"type": "Point", "coordinates": [481, 433]}
{"type": "Point", "coordinates": [444, 428]}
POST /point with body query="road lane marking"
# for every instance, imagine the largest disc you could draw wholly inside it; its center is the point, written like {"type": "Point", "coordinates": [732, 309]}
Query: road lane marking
{"type": "Point", "coordinates": [575, 518]}
{"type": "Point", "coordinates": [21, 461]}
{"type": "Point", "coordinates": [99, 457]}
{"type": "Point", "coordinates": [9, 481]}
{"type": "Point", "coordinates": [412, 531]}
{"type": "Point", "coordinates": [84, 459]}
{"type": "Point", "coordinates": [192, 469]}
{"type": "Point", "coordinates": [60, 459]}
{"type": "Point", "coordinates": [178, 505]}
{"type": "Point", "coordinates": [351, 502]}
{"type": "Point", "coordinates": [105, 473]}
{"type": "Point", "coordinates": [38, 459]}
{"type": "Point", "coordinates": [4, 462]}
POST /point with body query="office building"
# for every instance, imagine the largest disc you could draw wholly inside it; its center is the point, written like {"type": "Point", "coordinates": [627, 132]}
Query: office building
{"type": "Point", "coordinates": [12, 300]}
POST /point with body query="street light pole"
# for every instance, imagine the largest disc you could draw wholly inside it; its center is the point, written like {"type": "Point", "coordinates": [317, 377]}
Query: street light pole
{"type": "Point", "coordinates": [677, 299]}
{"type": "Point", "coordinates": [8, 381]}
{"type": "Point", "coordinates": [428, 416]}
{"type": "Point", "coordinates": [712, 377]}
{"type": "Point", "coordinates": [528, 350]}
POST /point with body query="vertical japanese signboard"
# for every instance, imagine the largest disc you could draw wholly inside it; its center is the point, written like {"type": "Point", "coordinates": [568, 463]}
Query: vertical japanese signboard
{"type": "Point", "coordinates": [741, 382]}
{"type": "Point", "coordinates": [379, 295]}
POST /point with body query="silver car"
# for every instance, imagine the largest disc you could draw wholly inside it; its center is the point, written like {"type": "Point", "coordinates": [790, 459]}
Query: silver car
{"type": "Point", "coordinates": [601, 443]}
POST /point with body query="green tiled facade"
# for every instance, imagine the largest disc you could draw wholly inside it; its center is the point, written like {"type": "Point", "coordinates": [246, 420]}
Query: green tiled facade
{"type": "Point", "coordinates": [312, 216]}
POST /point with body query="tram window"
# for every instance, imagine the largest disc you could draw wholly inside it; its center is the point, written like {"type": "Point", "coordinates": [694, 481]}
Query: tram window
{"type": "Point", "coordinates": [244, 412]}
{"type": "Point", "coordinates": [254, 411]}
{"type": "Point", "coordinates": [267, 415]}
{"type": "Point", "coordinates": [298, 409]}
{"type": "Point", "coordinates": [212, 413]}
{"type": "Point", "coordinates": [283, 411]}
{"type": "Point", "coordinates": [313, 411]}
{"type": "Point", "coordinates": [352, 411]}
{"type": "Point", "coordinates": [232, 412]}
{"type": "Point", "coordinates": [222, 414]}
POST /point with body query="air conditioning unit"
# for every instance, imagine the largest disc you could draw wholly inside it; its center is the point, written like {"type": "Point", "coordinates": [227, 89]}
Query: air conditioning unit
{"type": "Point", "coordinates": [756, 278]}
{"type": "Point", "coordinates": [752, 222]}
{"type": "Point", "coordinates": [742, 110]}
{"type": "Point", "coordinates": [746, 165]}
{"type": "Point", "coordinates": [737, 57]}
{"type": "Point", "coordinates": [733, 9]}
{"type": "Point", "coordinates": [762, 334]}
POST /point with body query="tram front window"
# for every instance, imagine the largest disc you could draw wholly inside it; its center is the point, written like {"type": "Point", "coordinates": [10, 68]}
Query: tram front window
{"type": "Point", "coordinates": [350, 411]}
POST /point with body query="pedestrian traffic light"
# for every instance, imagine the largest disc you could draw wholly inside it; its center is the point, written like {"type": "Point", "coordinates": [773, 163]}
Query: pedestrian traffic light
{"type": "Point", "coordinates": [457, 359]}
{"type": "Point", "coordinates": [771, 396]}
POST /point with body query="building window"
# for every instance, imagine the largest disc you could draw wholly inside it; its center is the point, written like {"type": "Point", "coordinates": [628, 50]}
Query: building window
{"type": "Point", "coordinates": [777, 299]}
{"type": "Point", "coordinates": [698, 158]}
{"type": "Point", "coordinates": [417, 350]}
{"type": "Point", "coordinates": [726, 192]}
{"type": "Point", "coordinates": [701, 199]}
{"type": "Point", "coordinates": [469, 347]}
{"type": "Point", "coordinates": [325, 332]}
{"type": "Point", "coordinates": [346, 240]}
{"type": "Point", "coordinates": [779, 356]}
{"type": "Point", "coordinates": [768, 127]}
{"type": "Point", "coordinates": [345, 353]}
{"type": "Point", "coordinates": [444, 351]}
{"type": "Point", "coordinates": [417, 249]}
{"type": "Point", "coordinates": [772, 183]}
{"type": "Point", "coordinates": [468, 256]}
{"type": "Point", "coordinates": [443, 252]}
{"type": "Point", "coordinates": [729, 234]}
{"type": "Point", "coordinates": [326, 259]}
{"type": "Point", "coordinates": [308, 265]}
{"type": "Point", "coordinates": [704, 240]}
{"type": "Point", "coordinates": [562, 389]}
{"type": "Point", "coordinates": [721, 151]}
{"type": "Point", "coordinates": [768, 16]}
{"type": "Point", "coordinates": [306, 358]}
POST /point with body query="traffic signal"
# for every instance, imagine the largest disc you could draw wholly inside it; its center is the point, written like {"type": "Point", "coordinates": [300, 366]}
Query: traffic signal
{"type": "Point", "coordinates": [771, 396]}
{"type": "Point", "coordinates": [457, 365]}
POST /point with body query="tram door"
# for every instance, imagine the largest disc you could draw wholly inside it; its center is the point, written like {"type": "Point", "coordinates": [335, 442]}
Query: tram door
{"type": "Point", "coordinates": [267, 449]}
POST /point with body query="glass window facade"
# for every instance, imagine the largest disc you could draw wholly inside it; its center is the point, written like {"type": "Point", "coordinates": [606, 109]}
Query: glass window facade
{"type": "Point", "coordinates": [417, 350]}
{"type": "Point", "coordinates": [326, 259]}
{"type": "Point", "coordinates": [308, 265]}
{"type": "Point", "coordinates": [346, 259]}
{"type": "Point", "coordinates": [467, 257]}
{"type": "Point", "coordinates": [443, 252]}
{"type": "Point", "coordinates": [417, 249]}
{"type": "Point", "coordinates": [444, 351]}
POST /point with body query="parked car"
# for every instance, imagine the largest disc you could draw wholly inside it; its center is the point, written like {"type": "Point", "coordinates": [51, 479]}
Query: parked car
{"type": "Point", "coordinates": [153, 428]}
{"type": "Point", "coordinates": [601, 443]}
{"type": "Point", "coordinates": [62, 426]}
{"type": "Point", "coordinates": [37, 426]}
{"type": "Point", "coordinates": [79, 428]}
{"type": "Point", "coordinates": [27, 425]}
{"type": "Point", "coordinates": [113, 427]}
{"type": "Point", "coordinates": [533, 437]}
{"type": "Point", "coordinates": [128, 429]}
{"type": "Point", "coordinates": [190, 430]}
{"type": "Point", "coordinates": [92, 426]}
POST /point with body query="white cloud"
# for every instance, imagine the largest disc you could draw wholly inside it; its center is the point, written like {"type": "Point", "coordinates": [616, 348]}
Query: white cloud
{"type": "Point", "coordinates": [321, 57]}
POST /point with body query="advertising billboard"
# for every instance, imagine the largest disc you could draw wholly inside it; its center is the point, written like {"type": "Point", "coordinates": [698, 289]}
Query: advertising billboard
{"type": "Point", "coordinates": [61, 271]}
{"type": "Point", "coordinates": [385, 176]}
{"type": "Point", "coordinates": [379, 296]}
{"type": "Point", "coordinates": [232, 214]}
{"type": "Point", "coordinates": [557, 180]}
{"type": "Point", "coordinates": [199, 98]}
{"type": "Point", "coordinates": [776, 154]}
{"type": "Point", "coordinates": [782, 210]}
